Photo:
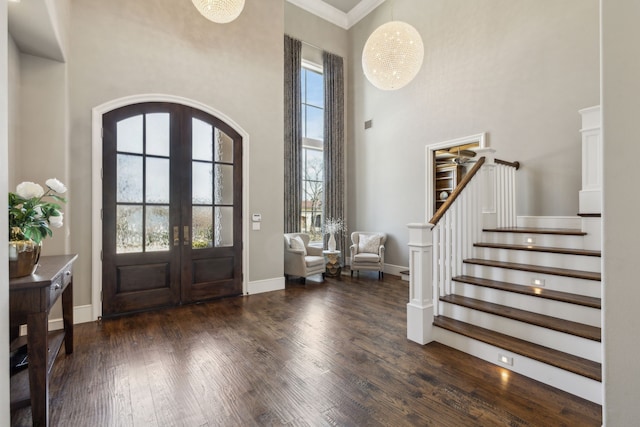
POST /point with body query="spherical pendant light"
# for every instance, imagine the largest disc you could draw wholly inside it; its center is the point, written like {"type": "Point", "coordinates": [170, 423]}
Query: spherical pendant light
{"type": "Point", "coordinates": [392, 55]}
{"type": "Point", "coordinates": [219, 11]}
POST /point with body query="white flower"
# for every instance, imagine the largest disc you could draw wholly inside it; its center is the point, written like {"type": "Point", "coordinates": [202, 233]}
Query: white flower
{"type": "Point", "coordinates": [38, 210]}
{"type": "Point", "coordinates": [56, 221]}
{"type": "Point", "coordinates": [29, 190]}
{"type": "Point", "coordinates": [56, 185]}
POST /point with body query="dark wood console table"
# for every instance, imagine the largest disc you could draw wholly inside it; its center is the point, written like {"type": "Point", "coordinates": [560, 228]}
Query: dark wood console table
{"type": "Point", "coordinates": [30, 301]}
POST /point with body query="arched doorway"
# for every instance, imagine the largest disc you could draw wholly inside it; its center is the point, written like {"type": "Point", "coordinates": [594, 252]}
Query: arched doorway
{"type": "Point", "coordinates": [172, 207]}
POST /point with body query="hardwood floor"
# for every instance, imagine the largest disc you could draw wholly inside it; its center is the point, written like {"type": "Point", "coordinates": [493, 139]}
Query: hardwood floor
{"type": "Point", "coordinates": [332, 353]}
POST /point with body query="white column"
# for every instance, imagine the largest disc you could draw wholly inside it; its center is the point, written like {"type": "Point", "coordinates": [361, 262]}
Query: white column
{"type": "Point", "coordinates": [420, 309]}
{"type": "Point", "coordinates": [590, 201]}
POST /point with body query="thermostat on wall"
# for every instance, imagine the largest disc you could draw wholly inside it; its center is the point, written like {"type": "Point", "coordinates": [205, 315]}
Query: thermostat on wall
{"type": "Point", "coordinates": [256, 218]}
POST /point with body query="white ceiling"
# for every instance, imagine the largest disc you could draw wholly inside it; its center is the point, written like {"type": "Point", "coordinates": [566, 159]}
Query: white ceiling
{"type": "Point", "coordinates": [343, 13]}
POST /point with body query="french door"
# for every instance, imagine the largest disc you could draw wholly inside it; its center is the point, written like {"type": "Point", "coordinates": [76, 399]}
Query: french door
{"type": "Point", "coordinates": [172, 208]}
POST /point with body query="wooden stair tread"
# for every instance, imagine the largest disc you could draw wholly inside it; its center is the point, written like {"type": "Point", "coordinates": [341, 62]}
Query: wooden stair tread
{"type": "Point", "coordinates": [533, 248]}
{"type": "Point", "coordinates": [568, 362]}
{"type": "Point", "coordinates": [532, 291]}
{"type": "Point", "coordinates": [533, 230]}
{"type": "Point", "coordinates": [542, 320]}
{"type": "Point", "coordinates": [578, 274]}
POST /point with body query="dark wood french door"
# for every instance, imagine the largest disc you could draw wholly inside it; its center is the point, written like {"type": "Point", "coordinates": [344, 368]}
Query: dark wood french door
{"type": "Point", "coordinates": [172, 208]}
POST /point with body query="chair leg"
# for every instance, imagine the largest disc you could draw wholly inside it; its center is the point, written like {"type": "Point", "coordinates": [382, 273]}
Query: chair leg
{"type": "Point", "coordinates": [351, 273]}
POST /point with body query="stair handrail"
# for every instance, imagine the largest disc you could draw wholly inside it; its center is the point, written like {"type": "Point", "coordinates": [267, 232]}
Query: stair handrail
{"type": "Point", "coordinates": [515, 164]}
{"type": "Point", "coordinates": [456, 191]}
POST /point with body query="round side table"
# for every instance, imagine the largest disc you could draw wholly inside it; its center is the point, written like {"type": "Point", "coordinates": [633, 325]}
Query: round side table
{"type": "Point", "coordinates": [333, 267]}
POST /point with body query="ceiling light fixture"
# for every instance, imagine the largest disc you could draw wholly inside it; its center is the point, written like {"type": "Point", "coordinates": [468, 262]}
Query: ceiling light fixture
{"type": "Point", "coordinates": [219, 11]}
{"type": "Point", "coordinates": [392, 55]}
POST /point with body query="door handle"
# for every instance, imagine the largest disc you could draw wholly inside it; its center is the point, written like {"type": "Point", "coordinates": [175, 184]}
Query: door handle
{"type": "Point", "coordinates": [176, 235]}
{"type": "Point", "coordinates": [186, 235]}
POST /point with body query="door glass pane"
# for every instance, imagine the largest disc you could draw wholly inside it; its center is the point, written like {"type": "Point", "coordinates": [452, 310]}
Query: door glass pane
{"type": "Point", "coordinates": [158, 134]}
{"type": "Point", "coordinates": [202, 183]}
{"type": "Point", "coordinates": [202, 140]}
{"type": "Point", "coordinates": [202, 227]}
{"type": "Point", "coordinates": [224, 147]}
{"type": "Point", "coordinates": [224, 226]}
{"type": "Point", "coordinates": [157, 229]}
{"type": "Point", "coordinates": [224, 184]}
{"type": "Point", "coordinates": [128, 229]}
{"type": "Point", "coordinates": [129, 135]}
{"type": "Point", "coordinates": [129, 179]}
{"type": "Point", "coordinates": [157, 182]}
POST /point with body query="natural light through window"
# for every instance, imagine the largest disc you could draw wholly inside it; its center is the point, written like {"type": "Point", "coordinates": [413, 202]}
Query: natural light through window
{"type": "Point", "coordinates": [312, 152]}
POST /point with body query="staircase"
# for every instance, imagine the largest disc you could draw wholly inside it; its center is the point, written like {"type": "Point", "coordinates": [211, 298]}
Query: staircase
{"type": "Point", "coordinates": [528, 299]}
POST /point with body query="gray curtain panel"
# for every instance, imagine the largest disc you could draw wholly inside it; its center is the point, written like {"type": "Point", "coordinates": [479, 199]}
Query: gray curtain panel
{"type": "Point", "coordinates": [334, 143]}
{"type": "Point", "coordinates": [292, 135]}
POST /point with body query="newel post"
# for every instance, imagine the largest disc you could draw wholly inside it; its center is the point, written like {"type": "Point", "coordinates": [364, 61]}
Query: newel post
{"type": "Point", "coordinates": [420, 309]}
{"type": "Point", "coordinates": [489, 192]}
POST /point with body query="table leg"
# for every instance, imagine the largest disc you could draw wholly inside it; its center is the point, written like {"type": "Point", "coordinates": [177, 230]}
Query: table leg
{"type": "Point", "coordinates": [37, 349]}
{"type": "Point", "coordinates": [67, 317]}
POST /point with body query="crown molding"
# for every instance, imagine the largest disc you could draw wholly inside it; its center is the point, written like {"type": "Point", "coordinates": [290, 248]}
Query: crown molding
{"type": "Point", "coordinates": [331, 14]}
{"type": "Point", "coordinates": [361, 10]}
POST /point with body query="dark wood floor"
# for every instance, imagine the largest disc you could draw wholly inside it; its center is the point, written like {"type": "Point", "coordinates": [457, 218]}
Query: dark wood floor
{"type": "Point", "coordinates": [332, 353]}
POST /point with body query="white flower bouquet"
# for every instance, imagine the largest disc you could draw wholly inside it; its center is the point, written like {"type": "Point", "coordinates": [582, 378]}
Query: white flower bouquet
{"type": "Point", "coordinates": [31, 215]}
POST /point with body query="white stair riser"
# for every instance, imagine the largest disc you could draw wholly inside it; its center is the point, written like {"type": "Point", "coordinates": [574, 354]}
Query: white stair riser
{"type": "Point", "coordinates": [572, 285]}
{"type": "Point", "coordinates": [571, 222]}
{"type": "Point", "coordinates": [573, 262]}
{"type": "Point", "coordinates": [563, 310]}
{"type": "Point", "coordinates": [560, 341]}
{"type": "Point", "coordinates": [552, 240]}
{"type": "Point", "coordinates": [572, 383]}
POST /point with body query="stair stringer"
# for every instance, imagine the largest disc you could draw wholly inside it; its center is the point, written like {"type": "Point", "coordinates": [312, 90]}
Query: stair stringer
{"type": "Point", "coordinates": [575, 384]}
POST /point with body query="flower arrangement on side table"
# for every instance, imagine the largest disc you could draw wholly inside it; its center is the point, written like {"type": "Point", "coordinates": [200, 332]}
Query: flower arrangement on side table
{"type": "Point", "coordinates": [331, 226]}
{"type": "Point", "coordinates": [31, 216]}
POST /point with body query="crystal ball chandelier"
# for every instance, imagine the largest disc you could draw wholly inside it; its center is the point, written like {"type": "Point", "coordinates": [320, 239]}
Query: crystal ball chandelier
{"type": "Point", "coordinates": [392, 55]}
{"type": "Point", "coordinates": [219, 11]}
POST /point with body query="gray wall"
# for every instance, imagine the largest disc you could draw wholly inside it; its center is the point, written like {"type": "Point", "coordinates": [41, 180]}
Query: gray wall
{"type": "Point", "coordinates": [120, 48]}
{"type": "Point", "coordinates": [13, 93]}
{"type": "Point", "coordinates": [517, 70]}
{"type": "Point", "coordinates": [621, 109]}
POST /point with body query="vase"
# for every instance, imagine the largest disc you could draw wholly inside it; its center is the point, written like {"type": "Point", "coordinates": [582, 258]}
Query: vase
{"type": "Point", "coordinates": [23, 257]}
{"type": "Point", "coordinates": [332, 243]}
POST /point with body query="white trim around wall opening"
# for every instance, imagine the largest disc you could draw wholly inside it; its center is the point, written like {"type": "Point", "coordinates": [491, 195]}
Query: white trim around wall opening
{"type": "Point", "coordinates": [480, 139]}
{"type": "Point", "coordinates": [96, 184]}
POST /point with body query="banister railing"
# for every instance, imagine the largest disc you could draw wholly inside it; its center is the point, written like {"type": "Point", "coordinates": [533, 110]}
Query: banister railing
{"type": "Point", "coordinates": [485, 198]}
{"type": "Point", "coordinates": [456, 191]}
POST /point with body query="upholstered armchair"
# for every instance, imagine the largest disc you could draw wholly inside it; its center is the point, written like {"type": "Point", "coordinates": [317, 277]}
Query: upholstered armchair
{"type": "Point", "coordinates": [300, 259]}
{"type": "Point", "coordinates": [367, 251]}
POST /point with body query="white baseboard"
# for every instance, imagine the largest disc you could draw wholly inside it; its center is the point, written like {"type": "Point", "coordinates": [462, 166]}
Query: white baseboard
{"type": "Point", "coordinates": [268, 285]}
{"type": "Point", "coordinates": [81, 314]}
{"type": "Point", "coordinates": [394, 270]}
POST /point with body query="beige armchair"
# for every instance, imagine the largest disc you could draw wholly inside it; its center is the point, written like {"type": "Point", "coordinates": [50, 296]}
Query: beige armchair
{"type": "Point", "coordinates": [300, 259]}
{"type": "Point", "coordinates": [367, 251]}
